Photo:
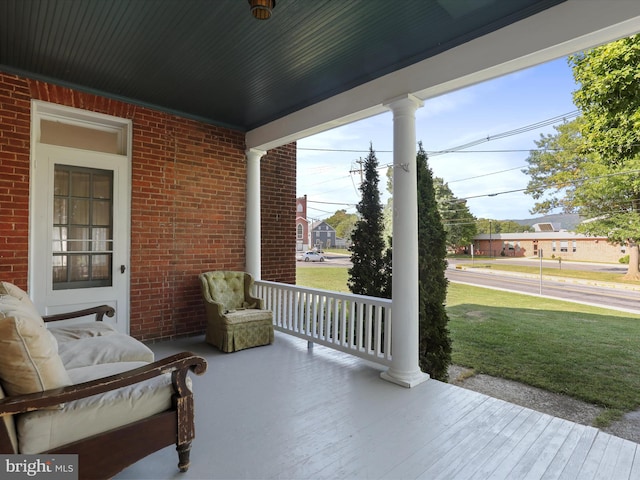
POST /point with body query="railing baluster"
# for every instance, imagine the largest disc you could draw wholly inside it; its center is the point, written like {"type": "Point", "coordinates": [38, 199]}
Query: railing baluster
{"type": "Point", "coordinates": [378, 332]}
{"type": "Point", "coordinates": [320, 318]}
{"type": "Point", "coordinates": [344, 340]}
{"type": "Point", "coordinates": [387, 333]}
{"type": "Point", "coordinates": [308, 309]}
{"type": "Point", "coordinates": [335, 323]}
{"type": "Point", "coordinates": [367, 329]}
{"type": "Point", "coordinates": [352, 325]}
{"type": "Point", "coordinates": [314, 315]}
{"type": "Point", "coordinates": [360, 310]}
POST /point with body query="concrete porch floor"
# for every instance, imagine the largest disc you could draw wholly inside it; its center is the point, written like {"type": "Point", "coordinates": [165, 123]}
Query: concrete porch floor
{"type": "Point", "coordinates": [284, 411]}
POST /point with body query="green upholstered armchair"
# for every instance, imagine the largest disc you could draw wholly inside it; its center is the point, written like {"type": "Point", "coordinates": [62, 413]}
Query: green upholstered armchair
{"type": "Point", "coordinates": [235, 319]}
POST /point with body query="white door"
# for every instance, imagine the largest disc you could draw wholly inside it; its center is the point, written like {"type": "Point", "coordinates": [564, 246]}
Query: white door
{"type": "Point", "coordinates": [80, 234]}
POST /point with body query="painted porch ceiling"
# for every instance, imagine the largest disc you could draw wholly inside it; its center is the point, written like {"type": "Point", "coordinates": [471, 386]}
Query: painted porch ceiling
{"type": "Point", "coordinates": [211, 60]}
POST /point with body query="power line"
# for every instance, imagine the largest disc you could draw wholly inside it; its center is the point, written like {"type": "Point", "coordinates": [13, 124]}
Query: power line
{"type": "Point", "coordinates": [516, 131]}
{"type": "Point", "coordinates": [332, 203]}
{"type": "Point", "coordinates": [547, 186]}
{"type": "Point", "coordinates": [507, 150]}
{"type": "Point", "coordinates": [343, 150]}
{"type": "Point", "coordinates": [486, 174]}
{"type": "Point", "coordinates": [488, 138]}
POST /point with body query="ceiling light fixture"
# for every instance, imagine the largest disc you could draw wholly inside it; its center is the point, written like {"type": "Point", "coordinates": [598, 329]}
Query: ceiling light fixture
{"type": "Point", "coordinates": [261, 9]}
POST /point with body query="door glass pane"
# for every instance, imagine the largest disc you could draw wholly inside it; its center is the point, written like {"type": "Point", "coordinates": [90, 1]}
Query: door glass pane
{"type": "Point", "coordinates": [101, 186]}
{"type": "Point", "coordinates": [79, 211]}
{"type": "Point", "coordinates": [82, 224]}
{"type": "Point", "coordinates": [60, 210]}
{"type": "Point", "coordinates": [59, 268]}
{"type": "Point", "coordinates": [100, 266]}
{"type": "Point", "coordinates": [61, 183]}
{"type": "Point", "coordinates": [78, 268]}
{"type": "Point", "coordinates": [80, 185]}
{"type": "Point", "coordinates": [101, 212]}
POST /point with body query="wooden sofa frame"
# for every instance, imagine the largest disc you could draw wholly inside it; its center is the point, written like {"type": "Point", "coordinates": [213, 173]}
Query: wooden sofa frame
{"type": "Point", "coordinates": [105, 454]}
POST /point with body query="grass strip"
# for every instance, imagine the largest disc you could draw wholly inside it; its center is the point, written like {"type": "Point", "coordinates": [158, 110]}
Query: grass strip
{"type": "Point", "coordinates": [323, 278]}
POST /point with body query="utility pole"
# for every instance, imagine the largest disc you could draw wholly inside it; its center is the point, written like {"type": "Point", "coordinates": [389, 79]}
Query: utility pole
{"type": "Point", "coordinates": [360, 170]}
{"type": "Point", "coordinates": [490, 250]}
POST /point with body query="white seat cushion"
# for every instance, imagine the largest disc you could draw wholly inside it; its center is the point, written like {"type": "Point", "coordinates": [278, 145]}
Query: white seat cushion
{"type": "Point", "coordinates": [81, 330]}
{"type": "Point", "coordinates": [47, 429]}
{"type": "Point", "coordinates": [103, 349]}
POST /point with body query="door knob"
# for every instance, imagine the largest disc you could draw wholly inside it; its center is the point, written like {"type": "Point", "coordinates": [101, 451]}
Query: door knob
{"type": "Point", "coordinates": [122, 268]}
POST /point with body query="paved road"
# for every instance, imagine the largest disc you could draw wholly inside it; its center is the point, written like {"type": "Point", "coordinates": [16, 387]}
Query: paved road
{"type": "Point", "coordinates": [618, 298]}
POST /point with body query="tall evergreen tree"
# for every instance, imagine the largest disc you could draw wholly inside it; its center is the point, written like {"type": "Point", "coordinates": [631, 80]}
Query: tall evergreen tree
{"type": "Point", "coordinates": [435, 343]}
{"type": "Point", "coordinates": [370, 274]}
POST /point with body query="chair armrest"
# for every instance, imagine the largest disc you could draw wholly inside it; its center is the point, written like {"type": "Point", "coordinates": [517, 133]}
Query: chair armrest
{"type": "Point", "coordinates": [99, 312]}
{"type": "Point", "coordinates": [178, 365]}
{"type": "Point", "coordinates": [258, 301]}
{"type": "Point", "coordinates": [215, 308]}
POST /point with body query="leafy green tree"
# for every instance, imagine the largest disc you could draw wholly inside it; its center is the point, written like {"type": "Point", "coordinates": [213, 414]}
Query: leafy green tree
{"type": "Point", "coordinates": [609, 98]}
{"type": "Point", "coordinates": [591, 165]}
{"type": "Point", "coordinates": [435, 342]}
{"type": "Point", "coordinates": [369, 274]}
{"type": "Point", "coordinates": [459, 223]}
{"type": "Point", "coordinates": [485, 225]}
{"type": "Point", "coordinates": [342, 222]}
{"type": "Point", "coordinates": [556, 168]}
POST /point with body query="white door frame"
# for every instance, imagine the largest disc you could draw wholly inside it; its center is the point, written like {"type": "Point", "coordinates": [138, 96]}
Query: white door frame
{"type": "Point", "coordinates": [43, 159]}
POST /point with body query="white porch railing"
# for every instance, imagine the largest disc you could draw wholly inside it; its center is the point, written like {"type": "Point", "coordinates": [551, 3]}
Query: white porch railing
{"type": "Point", "coordinates": [354, 324]}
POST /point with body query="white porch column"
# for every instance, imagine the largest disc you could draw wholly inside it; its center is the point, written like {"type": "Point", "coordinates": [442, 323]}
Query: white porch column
{"type": "Point", "coordinates": [252, 227]}
{"type": "Point", "coordinates": [405, 369]}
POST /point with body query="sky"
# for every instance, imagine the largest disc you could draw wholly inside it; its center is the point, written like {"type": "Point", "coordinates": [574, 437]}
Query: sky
{"type": "Point", "coordinates": [328, 173]}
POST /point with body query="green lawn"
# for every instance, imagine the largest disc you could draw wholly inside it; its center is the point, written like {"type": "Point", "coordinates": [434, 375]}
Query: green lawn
{"type": "Point", "coordinates": [324, 278]}
{"type": "Point", "coordinates": [588, 353]}
{"type": "Point", "coordinates": [556, 272]}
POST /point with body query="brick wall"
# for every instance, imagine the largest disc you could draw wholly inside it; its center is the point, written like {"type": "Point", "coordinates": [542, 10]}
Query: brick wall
{"type": "Point", "coordinates": [14, 179]}
{"type": "Point", "coordinates": [187, 204]}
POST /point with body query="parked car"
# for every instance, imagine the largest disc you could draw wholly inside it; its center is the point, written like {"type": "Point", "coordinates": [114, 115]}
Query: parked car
{"type": "Point", "coordinates": [311, 257]}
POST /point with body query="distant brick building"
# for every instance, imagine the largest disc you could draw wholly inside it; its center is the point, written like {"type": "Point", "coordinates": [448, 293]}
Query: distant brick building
{"type": "Point", "coordinates": [566, 245]}
{"type": "Point", "coordinates": [302, 225]}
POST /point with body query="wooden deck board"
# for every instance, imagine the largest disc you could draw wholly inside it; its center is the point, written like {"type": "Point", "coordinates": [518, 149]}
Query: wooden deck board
{"type": "Point", "coordinates": [285, 412]}
{"type": "Point", "coordinates": [450, 464]}
{"type": "Point", "coordinates": [535, 462]}
{"type": "Point", "coordinates": [635, 469]}
{"type": "Point", "coordinates": [494, 447]}
{"type": "Point", "coordinates": [565, 452]}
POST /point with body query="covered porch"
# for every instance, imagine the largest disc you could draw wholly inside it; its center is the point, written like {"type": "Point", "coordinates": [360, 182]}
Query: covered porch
{"type": "Point", "coordinates": [203, 100]}
{"type": "Point", "coordinates": [286, 411]}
